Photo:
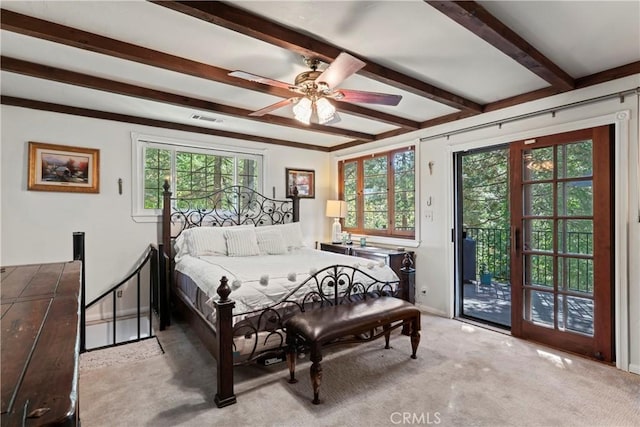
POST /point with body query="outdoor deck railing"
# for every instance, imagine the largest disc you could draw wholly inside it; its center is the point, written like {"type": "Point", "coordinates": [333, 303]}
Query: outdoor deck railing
{"type": "Point", "coordinates": [492, 251]}
{"type": "Point", "coordinates": [492, 248]}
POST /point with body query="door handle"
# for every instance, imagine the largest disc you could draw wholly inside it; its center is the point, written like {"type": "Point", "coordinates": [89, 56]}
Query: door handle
{"type": "Point", "coordinates": [515, 239]}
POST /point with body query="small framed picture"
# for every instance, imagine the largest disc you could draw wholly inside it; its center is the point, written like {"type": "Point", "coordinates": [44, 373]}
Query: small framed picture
{"type": "Point", "coordinates": [302, 179]}
{"type": "Point", "coordinates": [63, 168]}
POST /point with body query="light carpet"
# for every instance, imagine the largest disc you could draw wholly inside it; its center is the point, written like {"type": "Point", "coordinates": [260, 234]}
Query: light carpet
{"type": "Point", "coordinates": [464, 376]}
{"type": "Point", "coordinates": [121, 354]}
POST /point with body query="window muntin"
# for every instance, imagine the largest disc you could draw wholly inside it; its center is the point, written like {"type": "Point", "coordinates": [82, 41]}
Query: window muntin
{"type": "Point", "coordinates": [380, 193]}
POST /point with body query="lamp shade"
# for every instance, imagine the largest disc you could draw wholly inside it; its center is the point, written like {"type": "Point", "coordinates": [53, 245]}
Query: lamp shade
{"type": "Point", "coordinates": [303, 109]}
{"type": "Point", "coordinates": [324, 110]}
{"type": "Point", "coordinates": [336, 208]}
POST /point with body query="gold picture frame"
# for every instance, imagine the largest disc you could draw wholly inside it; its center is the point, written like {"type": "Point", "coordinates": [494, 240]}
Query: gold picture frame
{"type": "Point", "coordinates": [65, 168]}
{"type": "Point", "coordinates": [304, 180]}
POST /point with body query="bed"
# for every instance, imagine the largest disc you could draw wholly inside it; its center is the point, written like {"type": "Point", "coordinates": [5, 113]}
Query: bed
{"type": "Point", "coordinates": [237, 268]}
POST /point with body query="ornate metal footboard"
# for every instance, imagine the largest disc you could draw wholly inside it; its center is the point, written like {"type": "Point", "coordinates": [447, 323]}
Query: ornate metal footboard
{"type": "Point", "coordinates": [262, 332]}
{"type": "Point", "coordinates": [334, 285]}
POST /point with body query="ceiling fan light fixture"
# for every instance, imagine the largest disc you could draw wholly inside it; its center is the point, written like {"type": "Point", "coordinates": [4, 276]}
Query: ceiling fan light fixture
{"type": "Point", "coordinates": [314, 86]}
{"type": "Point", "coordinates": [325, 110]}
{"type": "Point", "coordinates": [302, 110]}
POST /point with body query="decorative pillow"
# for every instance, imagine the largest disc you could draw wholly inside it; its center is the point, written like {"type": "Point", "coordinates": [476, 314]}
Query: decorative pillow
{"type": "Point", "coordinates": [270, 241]}
{"type": "Point", "coordinates": [206, 241]}
{"type": "Point", "coordinates": [292, 234]}
{"type": "Point", "coordinates": [241, 241]}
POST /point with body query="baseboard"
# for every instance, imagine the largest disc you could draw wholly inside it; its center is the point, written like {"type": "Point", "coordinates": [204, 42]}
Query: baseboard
{"type": "Point", "coordinates": [634, 369]}
{"type": "Point", "coordinates": [431, 310]}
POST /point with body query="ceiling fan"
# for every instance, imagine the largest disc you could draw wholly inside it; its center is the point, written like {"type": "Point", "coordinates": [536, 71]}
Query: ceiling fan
{"type": "Point", "coordinates": [314, 89]}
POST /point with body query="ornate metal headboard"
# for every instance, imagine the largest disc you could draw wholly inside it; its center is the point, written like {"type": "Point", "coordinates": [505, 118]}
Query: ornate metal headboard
{"type": "Point", "coordinates": [233, 205]}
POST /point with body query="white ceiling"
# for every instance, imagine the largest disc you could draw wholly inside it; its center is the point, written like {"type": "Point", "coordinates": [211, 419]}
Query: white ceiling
{"type": "Point", "coordinates": [582, 38]}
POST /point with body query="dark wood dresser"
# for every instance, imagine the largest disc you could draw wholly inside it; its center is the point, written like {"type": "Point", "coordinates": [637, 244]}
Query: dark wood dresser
{"type": "Point", "coordinates": [392, 257]}
{"type": "Point", "coordinates": [40, 344]}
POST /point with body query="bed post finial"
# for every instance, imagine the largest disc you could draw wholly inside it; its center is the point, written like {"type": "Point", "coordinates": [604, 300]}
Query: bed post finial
{"type": "Point", "coordinates": [296, 203]}
{"type": "Point", "coordinates": [407, 261]}
{"type": "Point", "coordinates": [408, 280]}
{"type": "Point", "coordinates": [224, 290]}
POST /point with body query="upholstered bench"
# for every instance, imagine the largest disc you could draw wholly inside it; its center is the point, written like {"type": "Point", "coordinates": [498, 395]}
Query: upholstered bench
{"type": "Point", "coordinates": [321, 327]}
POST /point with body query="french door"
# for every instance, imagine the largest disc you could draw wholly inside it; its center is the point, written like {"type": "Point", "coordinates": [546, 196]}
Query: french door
{"type": "Point", "coordinates": [561, 241]}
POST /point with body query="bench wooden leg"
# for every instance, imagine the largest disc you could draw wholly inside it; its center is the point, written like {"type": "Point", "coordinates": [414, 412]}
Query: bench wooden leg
{"type": "Point", "coordinates": [415, 336]}
{"type": "Point", "coordinates": [316, 374]}
{"type": "Point", "coordinates": [387, 335]}
{"type": "Point", "coordinates": [292, 355]}
{"type": "Point", "coordinates": [406, 328]}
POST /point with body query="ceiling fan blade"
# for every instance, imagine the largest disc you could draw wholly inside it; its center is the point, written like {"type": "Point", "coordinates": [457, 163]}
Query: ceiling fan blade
{"type": "Point", "coordinates": [259, 79]}
{"type": "Point", "coordinates": [346, 95]}
{"type": "Point", "coordinates": [273, 107]}
{"type": "Point", "coordinates": [342, 67]}
{"type": "Point", "coordinates": [336, 119]}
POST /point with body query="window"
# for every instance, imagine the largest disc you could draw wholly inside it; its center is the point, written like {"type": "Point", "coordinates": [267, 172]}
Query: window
{"type": "Point", "coordinates": [194, 171]}
{"type": "Point", "coordinates": [380, 193]}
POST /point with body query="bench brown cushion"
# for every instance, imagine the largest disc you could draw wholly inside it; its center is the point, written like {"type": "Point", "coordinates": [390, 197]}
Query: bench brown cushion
{"type": "Point", "coordinates": [328, 323]}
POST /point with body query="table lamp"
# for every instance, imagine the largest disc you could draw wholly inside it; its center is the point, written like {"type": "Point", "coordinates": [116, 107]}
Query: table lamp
{"type": "Point", "coordinates": [336, 209]}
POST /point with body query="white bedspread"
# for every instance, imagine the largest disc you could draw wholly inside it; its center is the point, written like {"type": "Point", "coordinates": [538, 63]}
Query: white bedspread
{"type": "Point", "coordinates": [259, 281]}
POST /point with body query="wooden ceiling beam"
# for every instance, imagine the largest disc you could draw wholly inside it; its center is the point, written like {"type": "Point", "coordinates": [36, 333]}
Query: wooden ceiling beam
{"type": "Point", "coordinates": [252, 25]}
{"type": "Point", "coordinates": [104, 115]}
{"type": "Point", "coordinates": [480, 22]}
{"type": "Point", "coordinates": [608, 75]}
{"type": "Point", "coordinates": [34, 27]}
{"type": "Point", "coordinates": [582, 82]}
{"type": "Point", "coordinates": [366, 113]}
{"type": "Point", "coordinates": [78, 79]}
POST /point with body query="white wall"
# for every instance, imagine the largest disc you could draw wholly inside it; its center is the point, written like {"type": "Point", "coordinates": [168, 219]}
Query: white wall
{"type": "Point", "coordinates": [37, 227]}
{"type": "Point", "coordinates": [434, 256]}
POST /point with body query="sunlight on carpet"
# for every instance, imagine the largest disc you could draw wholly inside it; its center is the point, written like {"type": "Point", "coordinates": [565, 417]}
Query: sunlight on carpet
{"type": "Point", "coordinates": [125, 353]}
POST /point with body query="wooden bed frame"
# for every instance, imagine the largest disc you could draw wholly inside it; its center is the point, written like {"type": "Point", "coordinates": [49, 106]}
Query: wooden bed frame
{"type": "Point", "coordinates": [238, 205]}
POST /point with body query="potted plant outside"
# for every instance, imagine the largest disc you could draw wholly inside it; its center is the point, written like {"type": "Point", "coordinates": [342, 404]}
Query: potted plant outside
{"type": "Point", "coordinates": [485, 275]}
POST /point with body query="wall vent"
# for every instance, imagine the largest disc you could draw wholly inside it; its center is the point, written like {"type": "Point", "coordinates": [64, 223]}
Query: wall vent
{"type": "Point", "coordinates": [210, 119]}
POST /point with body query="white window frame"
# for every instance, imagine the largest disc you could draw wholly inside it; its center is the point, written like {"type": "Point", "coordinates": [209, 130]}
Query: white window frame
{"type": "Point", "coordinates": [140, 142]}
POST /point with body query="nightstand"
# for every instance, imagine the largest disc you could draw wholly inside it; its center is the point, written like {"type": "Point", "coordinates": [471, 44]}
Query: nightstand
{"type": "Point", "coordinates": [392, 257]}
{"type": "Point", "coordinates": [338, 248]}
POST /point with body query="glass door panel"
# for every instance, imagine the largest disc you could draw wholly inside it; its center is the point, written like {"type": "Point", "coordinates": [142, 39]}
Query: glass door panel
{"type": "Point", "coordinates": [576, 314]}
{"type": "Point", "coordinates": [540, 308]}
{"type": "Point", "coordinates": [536, 197]}
{"type": "Point", "coordinates": [483, 243]}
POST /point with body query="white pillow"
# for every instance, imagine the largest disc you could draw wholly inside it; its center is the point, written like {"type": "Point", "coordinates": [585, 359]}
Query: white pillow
{"type": "Point", "coordinates": [241, 241]}
{"type": "Point", "coordinates": [292, 234]}
{"type": "Point", "coordinates": [270, 241]}
{"type": "Point", "coordinates": [206, 241]}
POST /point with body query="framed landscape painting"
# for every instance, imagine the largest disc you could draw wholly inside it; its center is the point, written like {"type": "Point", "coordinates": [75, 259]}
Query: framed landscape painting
{"type": "Point", "coordinates": [304, 180]}
{"type": "Point", "coordinates": [63, 168]}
